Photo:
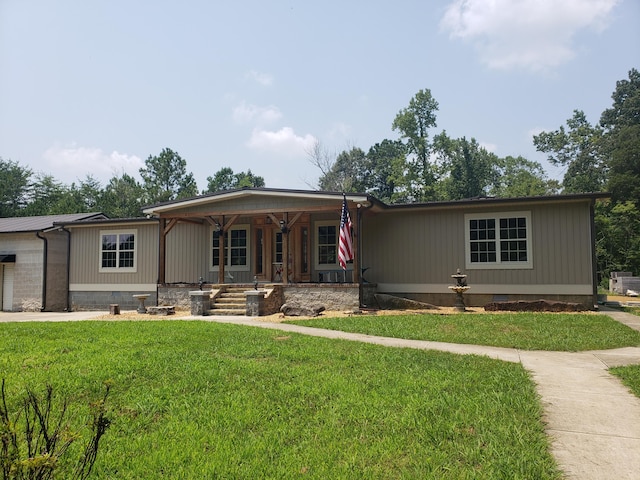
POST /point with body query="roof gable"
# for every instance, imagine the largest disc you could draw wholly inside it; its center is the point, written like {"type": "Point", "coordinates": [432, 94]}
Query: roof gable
{"type": "Point", "coordinates": [254, 198]}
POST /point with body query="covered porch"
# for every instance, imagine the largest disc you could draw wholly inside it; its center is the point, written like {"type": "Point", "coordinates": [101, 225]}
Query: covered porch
{"type": "Point", "coordinates": [263, 236]}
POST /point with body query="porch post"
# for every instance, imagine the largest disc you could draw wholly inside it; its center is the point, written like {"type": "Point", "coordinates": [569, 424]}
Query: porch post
{"type": "Point", "coordinates": [285, 250]}
{"type": "Point", "coordinates": [221, 261]}
{"type": "Point", "coordinates": [162, 249]}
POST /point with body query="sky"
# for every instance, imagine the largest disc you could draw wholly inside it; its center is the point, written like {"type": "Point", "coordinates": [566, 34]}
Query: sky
{"type": "Point", "coordinates": [96, 87]}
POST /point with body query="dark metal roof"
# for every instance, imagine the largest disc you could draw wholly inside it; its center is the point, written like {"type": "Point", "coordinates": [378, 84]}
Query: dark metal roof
{"type": "Point", "coordinates": [107, 221]}
{"type": "Point", "coordinates": [43, 222]}
{"type": "Point", "coordinates": [570, 197]}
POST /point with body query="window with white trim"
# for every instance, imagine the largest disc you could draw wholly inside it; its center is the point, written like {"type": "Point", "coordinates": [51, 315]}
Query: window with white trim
{"type": "Point", "coordinates": [236, 249]}
{"type": "Point", "coordinates": [326, 254]}
{"type": "Point", "coordinates": [118, 251]}
{"type": "Point", "coordinates": [498, 240]}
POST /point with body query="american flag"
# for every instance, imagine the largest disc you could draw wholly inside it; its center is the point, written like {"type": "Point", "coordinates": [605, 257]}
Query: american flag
{"type": "Point", "coordinates": [345, 246]}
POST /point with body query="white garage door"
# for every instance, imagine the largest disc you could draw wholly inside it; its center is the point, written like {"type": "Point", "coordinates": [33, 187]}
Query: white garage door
{"type": "Point", "coordinates": [6, 270]}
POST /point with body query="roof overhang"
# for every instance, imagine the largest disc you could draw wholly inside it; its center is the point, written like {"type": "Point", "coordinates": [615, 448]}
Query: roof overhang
{"type": "Point", "coordinates": [495, 201]}
{"type": "Point", "coordinates": [211, 199]}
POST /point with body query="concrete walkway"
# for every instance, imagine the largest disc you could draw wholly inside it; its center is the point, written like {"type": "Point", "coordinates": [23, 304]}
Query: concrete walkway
{"type": "Point", "coordinates": [592, 419]}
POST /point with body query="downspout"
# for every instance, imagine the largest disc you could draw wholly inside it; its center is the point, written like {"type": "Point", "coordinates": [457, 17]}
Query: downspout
{"type": "Point", "coordinates": [360, 210]}
{"type": "Point", "coordinates": [68, 303]}
{"type": "Point", "coordinates": [594, 259]}
{"type": "Point", "coordinates": [44, 270]}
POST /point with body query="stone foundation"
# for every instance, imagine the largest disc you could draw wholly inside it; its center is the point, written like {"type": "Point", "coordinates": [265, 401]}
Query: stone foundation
{"type": "Point", "coordinates": [89, 301]}
{"type": "Point", "coordinates": [343, 296]}
{"type": "Point", "coordinates": [480, 300]}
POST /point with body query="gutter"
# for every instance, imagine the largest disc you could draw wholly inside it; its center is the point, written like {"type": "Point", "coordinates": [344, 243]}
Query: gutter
{"type": "Point", "coordinates": [44, 270]}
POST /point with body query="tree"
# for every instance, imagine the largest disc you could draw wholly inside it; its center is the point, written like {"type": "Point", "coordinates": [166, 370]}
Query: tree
{"type": "Point", "coordinates": [519, 177]}
{"type": "Point", "coordinates": [14, 185]}
{"type": "Point", "coordinates": [579, 148]}
{"type": "Point", "coordinates": [47, 197]}
{"type": "Point", "coordinates": [414, 123]}
{"type": "Point", "coordinates": [248, 179]}
{"type": "Point", "coordinates": [617, 238]}
{"type": "Point", "coordinates": [225, 179]}
{"type": "Point", "coordinates": [468, 170]}
{"type": "Point", "coordinates": [621, 125]}
{"type": "Point", "coordinates": [349, 173]}
{"type": "Point", "coordinates": [165, 178]}
{"type": "Point", "coordinates": [122, 197]}
{"type": "Point", "coordinates": [388, 168]}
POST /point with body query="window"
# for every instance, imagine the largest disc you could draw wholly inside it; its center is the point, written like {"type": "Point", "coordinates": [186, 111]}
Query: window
{"type": "Point", "coordinates": [326, 244]}
{"type": "Point", "coordinates": [236, 249]}
{"type": "Point", "coordinates": [118, 251]}
{"type": "Point", "coordinates": [501, 240]}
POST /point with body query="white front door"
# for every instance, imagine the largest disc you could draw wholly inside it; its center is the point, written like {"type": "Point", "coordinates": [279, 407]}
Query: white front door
{"type": "Point", "coordinates": [6, 294]}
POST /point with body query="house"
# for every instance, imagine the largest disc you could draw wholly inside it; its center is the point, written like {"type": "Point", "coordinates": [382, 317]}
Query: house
{"type": "Point", "coordinates": [287, 240]}
{"type": "Point", "coordinates": [33, 262]}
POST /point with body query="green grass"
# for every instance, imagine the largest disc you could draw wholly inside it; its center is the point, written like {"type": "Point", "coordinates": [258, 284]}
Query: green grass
{"type": "Point", "coordinates": [526, 331]}
{"type": "Point", "coordinates": [205, 400]}
{"type": "Point", "coordinates": [630, 376]}
{"type": "Point", "coordinates": [633, 310]}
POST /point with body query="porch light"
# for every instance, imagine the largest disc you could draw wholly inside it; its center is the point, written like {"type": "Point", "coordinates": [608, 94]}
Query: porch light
{"type": "Point", "coordinates": [283, 226]}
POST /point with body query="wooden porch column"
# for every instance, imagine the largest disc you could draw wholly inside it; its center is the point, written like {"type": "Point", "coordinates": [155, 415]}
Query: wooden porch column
{"type": "Point", "coordinates": [285, 250]}
{"type": "Point", "coordinates": [221, 259]}
{"type": "Point", "coordinates": [162, 250]}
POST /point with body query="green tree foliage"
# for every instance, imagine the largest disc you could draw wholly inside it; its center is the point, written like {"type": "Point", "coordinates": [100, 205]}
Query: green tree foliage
{"type": "Point", "coordinates": [621, 123]}
{"type": "Point", "coordinates": [122, 197]}
{"type": "Point", "coordinates": [579, 149]}
{"type": "Point", "coordinates": [349, 173]}
{"type": "Point", "coordinates": [617, 238]}
{"type": "Point", "coordinates": [165, 178]}
{"type": "Point", "coordinates": [471, 168]}
{"type": "Point", "coordinates": [388, 167]}
{"type": "Point", "coordinates": [48, 196]}
{"type": "Point", "coordinates": [225, 179]}
{"type": "Point", "coordinates": [519, 177]}
{"type": "Point", "coordinates": [413, 124]}
{"type": "Point", "coordinates": [14, 185]}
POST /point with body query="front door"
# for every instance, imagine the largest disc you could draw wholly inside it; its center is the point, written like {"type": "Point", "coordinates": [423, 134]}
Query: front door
{"type": "Point", "coordinates": [6, 294]}
{"type": "Point", "coordinates": [270, 247]}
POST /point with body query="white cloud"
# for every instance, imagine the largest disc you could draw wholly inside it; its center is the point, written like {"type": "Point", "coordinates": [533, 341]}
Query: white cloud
{"type": "Point", "coordinates": [489, 147]}
{"type": "Point", "coordinates": [529, 34]}
{"type": "Point", "coordinates": [263, 79]}
{"type": "Point", "coordinates": [284, 141]}
{"type": "Point", "coordinates": [73, 163]}
{"type": "Point", "coordinates": [245, 113]}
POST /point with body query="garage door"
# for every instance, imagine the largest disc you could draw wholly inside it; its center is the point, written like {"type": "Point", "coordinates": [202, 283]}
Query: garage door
{"type": "Point", "coordinates": [6, 294]}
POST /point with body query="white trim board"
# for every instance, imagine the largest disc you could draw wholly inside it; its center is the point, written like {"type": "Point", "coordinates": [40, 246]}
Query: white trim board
{"type": "Point", "coordinates": [585, 289]}
{"type": "Point", "coordinates": [112, 287]}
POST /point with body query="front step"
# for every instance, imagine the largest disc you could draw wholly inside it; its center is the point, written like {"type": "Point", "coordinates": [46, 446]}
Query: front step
{"type": "Point", "coordinates": [232, 301]}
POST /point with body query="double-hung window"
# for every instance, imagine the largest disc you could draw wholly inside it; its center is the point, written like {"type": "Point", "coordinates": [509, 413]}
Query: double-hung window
{"type": "Point", "coordinates": [326, 244]}
{"type": "Point", "coordinates": [118, 251]}
{"type": "Point", "coordinates": [498, 240]}
{"type": "Point", "coordinates": [236, 249]}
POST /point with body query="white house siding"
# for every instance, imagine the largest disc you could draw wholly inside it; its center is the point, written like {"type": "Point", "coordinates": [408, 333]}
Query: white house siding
{"type": "Point", "coordinates": [413, 253]}
{"type": "Point", "coordinates": [27, 270]}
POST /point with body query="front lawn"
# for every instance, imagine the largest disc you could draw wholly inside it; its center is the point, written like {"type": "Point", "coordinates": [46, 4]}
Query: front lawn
{"type": "Point", "coordinates": [528, 331]}
{"type": "Point", "coordinates": [205, 400]}
{"type": "Point", "coordinates": [630, 376]}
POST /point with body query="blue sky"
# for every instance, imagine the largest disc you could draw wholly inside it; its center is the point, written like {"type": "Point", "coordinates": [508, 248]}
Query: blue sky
{"type": "Point", "coordinates": [95, 87]}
